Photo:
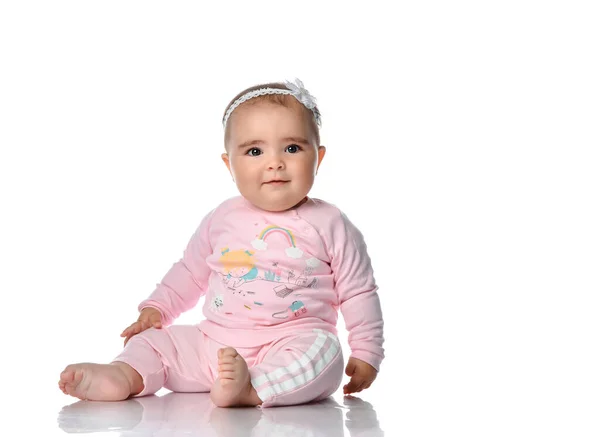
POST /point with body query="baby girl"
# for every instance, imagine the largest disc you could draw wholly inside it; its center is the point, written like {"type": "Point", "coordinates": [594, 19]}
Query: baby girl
{"type": "Point", "coordinates": [274, 267]}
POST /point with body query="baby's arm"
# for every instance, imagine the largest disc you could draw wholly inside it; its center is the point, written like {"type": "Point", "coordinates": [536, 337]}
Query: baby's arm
{"type": "Point", "coordinates": [357, 292]}
{"type": "Point", "coordinates": [186, 281]}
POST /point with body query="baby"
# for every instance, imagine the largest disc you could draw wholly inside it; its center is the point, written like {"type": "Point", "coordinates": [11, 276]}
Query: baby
{"type": "Point", "coordinates": [274, 266]}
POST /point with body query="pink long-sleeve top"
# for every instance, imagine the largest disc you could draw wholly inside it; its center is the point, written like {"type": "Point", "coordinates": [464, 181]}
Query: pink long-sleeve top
{"type": "Point", "coordinates": [267, 274]}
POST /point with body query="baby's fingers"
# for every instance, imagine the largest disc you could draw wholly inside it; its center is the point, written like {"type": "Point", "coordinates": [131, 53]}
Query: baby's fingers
{"type": "Point", "coordinates": [130, 332]}
{"type": "Point", "coordinates": [134, 328]}
{"type": "Point", "coordinates": [353, 386]}
{"type": "Point", "coordinates": [127, 330]}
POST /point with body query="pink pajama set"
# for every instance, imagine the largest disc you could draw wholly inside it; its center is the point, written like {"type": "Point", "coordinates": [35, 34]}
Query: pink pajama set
{"type": "Point", "coordinates": [273, 283]}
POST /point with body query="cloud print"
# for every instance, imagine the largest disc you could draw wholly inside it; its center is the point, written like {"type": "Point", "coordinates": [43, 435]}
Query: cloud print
{"type": "Point", "coordinates": [312, 262]}
{"type": "Point", "coordinates": [293, 252]}
{"type": "Point", "coordinates": [259, 244]}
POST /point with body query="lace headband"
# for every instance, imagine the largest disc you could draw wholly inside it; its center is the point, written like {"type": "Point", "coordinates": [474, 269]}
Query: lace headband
{"type": "Point", "coordinates": [297, 90]}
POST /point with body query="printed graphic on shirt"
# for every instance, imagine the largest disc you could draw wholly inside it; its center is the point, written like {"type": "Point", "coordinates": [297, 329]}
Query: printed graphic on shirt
{"type": "Point", "coordinates": [283, 290]}
{"type": "Point", "coordinates": [275, 275]}
{"type": "Point", "coordinates": [261, 242]}
{"type": "Point", "coordinates": [311, 264]}
{"type": "Point", "coordinates": [217, 303]}
{"type": "Point", "coordinates": [295, 309]}
{"type": "Point", "coordinates": [238, 267]}
{"type": "Point", "coordinates": [301, 281]}
{"type": "Point", "coordinates": [294, 283]}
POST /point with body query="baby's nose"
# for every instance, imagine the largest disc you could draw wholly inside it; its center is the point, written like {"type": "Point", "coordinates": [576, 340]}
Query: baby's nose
{"type": "Point", "coordinates": [276, 164]}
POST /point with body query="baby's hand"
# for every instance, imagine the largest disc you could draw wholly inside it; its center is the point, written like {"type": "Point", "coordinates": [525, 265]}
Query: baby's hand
{"type": "Point", "coordinates": [361, 376]}
{"type": "Point", "coordinates": [149, 317]}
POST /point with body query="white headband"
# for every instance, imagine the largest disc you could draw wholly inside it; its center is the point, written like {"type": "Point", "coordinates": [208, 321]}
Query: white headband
{"type": "Point", "coordinates": [297, 90]}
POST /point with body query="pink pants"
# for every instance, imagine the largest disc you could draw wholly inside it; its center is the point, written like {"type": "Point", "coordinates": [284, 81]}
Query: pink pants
{"type": "Point", "coordinates": [304, 367]}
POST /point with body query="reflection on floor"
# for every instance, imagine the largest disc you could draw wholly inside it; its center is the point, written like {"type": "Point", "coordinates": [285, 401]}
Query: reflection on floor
{"type": "Point", "coordinates": [193, 414]}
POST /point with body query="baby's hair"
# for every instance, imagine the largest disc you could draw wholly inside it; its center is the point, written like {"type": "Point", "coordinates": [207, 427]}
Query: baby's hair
{"type": "Point", "coordinates": [278, 99]}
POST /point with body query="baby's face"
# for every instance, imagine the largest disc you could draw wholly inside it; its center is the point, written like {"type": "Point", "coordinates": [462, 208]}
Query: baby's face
{"type": "Point", "coordinates": [269, 142]}
{"type": "Point", "coordinates": [238, 272]}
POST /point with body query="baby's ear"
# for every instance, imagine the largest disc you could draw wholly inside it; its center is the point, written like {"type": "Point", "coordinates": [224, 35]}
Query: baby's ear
{"type": "Point", "coordinates": [320, 155]}
{"type": "Point", "coordinates": [225, 158]}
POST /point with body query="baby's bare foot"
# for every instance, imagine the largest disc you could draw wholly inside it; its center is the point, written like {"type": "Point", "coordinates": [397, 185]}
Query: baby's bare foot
{"type": "Point", "coordinates": [233, 388]}
{"type": "Point", "coordinates": [96, 382]}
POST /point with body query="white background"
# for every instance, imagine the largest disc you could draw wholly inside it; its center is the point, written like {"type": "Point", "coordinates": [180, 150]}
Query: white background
{"type": "Point", "coordinates": [462, 140]}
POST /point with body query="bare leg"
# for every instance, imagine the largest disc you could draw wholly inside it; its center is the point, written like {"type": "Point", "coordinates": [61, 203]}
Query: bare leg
{"type": "Point", "coordinates": [100, 382]}
{"type": "Point", "coordinates": [233, 388]}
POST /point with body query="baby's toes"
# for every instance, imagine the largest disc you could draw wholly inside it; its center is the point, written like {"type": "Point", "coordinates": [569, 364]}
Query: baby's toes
{"type": "Point", "coordinates": [227, 361]}
{"type": "Point", "coordinates": [74, 381]}
{"type": "Point", "coordinates": [226, 366]}
{"type": "Point", "coordinates": [67, 376]}
{"type": "Point", "coordinates": [226, 370]}
{"type": "Point", "coordinates": [227, 352]}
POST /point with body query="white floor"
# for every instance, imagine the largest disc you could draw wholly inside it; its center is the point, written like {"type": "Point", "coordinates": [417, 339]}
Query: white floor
{"type": "Point", "coordinates": [193, 414]}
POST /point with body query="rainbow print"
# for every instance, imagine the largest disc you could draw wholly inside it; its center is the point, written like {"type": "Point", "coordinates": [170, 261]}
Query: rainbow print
{"type": "Point", "coordinates": [261, 242]}
{"type": "Point", "coordinates": [271, 230]}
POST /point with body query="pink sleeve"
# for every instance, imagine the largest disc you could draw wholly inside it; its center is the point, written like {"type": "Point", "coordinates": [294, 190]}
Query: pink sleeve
{"type": "Point", "coordinates": [186, 281]}
{"type": "Point", "coordinates": [357, 293]}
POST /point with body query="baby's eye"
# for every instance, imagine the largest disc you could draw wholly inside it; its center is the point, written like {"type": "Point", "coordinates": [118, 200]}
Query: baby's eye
{"type": "Point", "coordinates": [251, 152]}
{"type": "Point", "coordinates": [293, 148]}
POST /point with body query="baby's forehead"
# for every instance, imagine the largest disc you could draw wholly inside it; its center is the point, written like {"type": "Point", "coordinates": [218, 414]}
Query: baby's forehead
{"type": "Point", "coordinates": [287, 103]}
{"type": "Point", "coordinates": [242, 122]}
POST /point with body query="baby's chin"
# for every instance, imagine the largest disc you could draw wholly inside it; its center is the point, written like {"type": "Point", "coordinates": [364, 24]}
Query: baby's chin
{"type": "Point", "coordinates": [274, 205]}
